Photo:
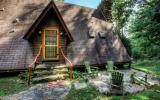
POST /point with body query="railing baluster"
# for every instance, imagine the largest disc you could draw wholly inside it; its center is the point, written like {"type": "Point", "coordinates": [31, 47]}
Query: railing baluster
{"type": "Point", "coordinates": [30, 66]}
{"type": "Point", "coordinates": [71, 65]}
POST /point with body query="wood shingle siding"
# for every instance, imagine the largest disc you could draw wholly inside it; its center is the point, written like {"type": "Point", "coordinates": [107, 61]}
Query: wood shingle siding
{"type": "Point", "coordinates": [17, 54]}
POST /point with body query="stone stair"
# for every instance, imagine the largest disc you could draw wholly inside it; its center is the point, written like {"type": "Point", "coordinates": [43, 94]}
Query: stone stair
{"type": "Point", "coordinates": [46, 73]}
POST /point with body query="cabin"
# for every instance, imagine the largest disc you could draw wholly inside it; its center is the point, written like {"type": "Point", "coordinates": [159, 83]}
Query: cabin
{"type": "Point", "coordinates": [53, 31]}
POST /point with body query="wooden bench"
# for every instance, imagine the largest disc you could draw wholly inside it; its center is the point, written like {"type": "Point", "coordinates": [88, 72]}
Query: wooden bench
{"type": "Point", "coordinates": [139, 80]}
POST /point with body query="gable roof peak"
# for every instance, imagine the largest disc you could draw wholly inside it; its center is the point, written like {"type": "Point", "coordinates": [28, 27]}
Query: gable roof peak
{"type": "Point", "coordinates": [53, 6]}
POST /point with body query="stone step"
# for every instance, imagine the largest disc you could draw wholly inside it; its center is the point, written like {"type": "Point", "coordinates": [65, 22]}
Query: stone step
{"type": "Point", "coordinates": [60, 67]}
{"type": "Point", "coordinates": [53, 70]}
{"type": "Point", "coordinates": [46, 72]}
{"type": "Point", "coordinates": [49, 78]}
{"type": "Point", "coordinates": [61, 70]}
{"type": "Point", "coordinates": [44, 66]}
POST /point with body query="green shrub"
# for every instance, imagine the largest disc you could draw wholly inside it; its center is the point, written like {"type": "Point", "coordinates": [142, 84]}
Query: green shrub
{"type": "Point", "coordinates": [77, 74]}
{"type": "Point", "coordinates": [23, 76]}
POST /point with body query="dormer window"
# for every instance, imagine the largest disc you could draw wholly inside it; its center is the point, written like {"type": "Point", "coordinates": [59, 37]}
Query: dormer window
{"type": "Point", "coordinates": [92, 34]}
{"type": "Point", "coordinates": [102, 35]}
{"type": "Point", "coordinates": [2, 9]}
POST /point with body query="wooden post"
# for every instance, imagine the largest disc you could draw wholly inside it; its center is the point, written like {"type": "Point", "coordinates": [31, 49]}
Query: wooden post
{"type": "Point", "coordinates": [30, 74]}
{"type": "Point", "coordinates": [133, 77]}
{"type": "Point", "coordinates": [70, 72]}
{"type": "Point", "coordinates": [145, 78]}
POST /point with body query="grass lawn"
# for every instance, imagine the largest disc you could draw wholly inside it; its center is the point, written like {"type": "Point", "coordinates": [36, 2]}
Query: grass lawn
{"type": "Point", "coordinates": [151, 66]}
{"type": "Point", "coordinates": [10, 85]}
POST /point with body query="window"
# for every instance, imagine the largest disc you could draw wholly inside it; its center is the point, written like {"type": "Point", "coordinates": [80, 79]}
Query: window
{"type": "Point", "coordinates": [92, 34]}
{"type": "Point", "coordinates": [50, 44]}
{"type": "Point", "coordinates": [102, 35]}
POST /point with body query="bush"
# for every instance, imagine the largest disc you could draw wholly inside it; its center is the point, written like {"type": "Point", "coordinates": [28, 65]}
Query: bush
{"type": "Point", "coordinates": [23, 76]}
{"type": "Point", "coordinates": [77, 75]}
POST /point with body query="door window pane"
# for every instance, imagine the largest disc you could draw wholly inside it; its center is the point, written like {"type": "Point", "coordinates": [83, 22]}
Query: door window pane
{"type": "Point", "coordinates": [51, 51]}
{"type": "Point", "coordinates": [50, 37]}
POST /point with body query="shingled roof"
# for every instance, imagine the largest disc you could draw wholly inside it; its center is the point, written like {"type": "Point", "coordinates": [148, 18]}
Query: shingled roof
{"type": "Point", "coordinates": [19, 15]}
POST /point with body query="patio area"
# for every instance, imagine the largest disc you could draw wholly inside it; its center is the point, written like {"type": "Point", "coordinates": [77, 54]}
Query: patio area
{"type": "Point", "coordinates": [60, 89]}
{"type": "Point", "coordinates": [101, 82]}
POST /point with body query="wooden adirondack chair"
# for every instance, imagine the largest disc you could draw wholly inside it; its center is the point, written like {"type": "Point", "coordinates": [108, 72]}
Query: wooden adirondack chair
{"type": "Point", "coordinates": [90, 69]}
{"type": "Point", "coordinates": [117, 82]}
{"type": "Point", "coordinates": [110, 66]}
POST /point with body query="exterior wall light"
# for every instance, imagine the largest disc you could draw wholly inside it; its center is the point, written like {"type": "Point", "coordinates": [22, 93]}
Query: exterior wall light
{"type": "Point", "coordinates": [61, 33]}
{"type": "Point", "coordinates": [40, 32]}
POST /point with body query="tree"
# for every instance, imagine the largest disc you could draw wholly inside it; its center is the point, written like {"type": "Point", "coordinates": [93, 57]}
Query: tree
{"type": "Point", "coordinates": [105, 8]}
{"type": "Point", "coordinates": [145, 30]}
{"type": "Point", "coordinates": [121, 10]}
{"type": "Point", "coordinates": [118, 11]}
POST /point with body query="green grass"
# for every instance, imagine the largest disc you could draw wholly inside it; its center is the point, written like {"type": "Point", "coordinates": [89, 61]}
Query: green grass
{"type": "Point", "coordinates": [150, 66]}
{"type": "Point", "coordinates": [90, 93]}
{"type": "Point", "coordinates": [9, 85]}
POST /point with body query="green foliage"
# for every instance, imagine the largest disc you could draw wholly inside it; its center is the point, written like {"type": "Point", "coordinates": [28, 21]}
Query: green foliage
{"type": "Point", "coordinates": [145, 31]}
{"type": "Point", "coordinates": [77, 74]}
{"type": "Point", "coordinates": [23, 76]}
{"type": "Point", "coordinates": [88, 93]}
{"type": "Point", "coordinates": [121, 10]}
{"type": "Point", "coordinates": [10, 85]}
{"type": "Point", "coordinates": [149, 66]}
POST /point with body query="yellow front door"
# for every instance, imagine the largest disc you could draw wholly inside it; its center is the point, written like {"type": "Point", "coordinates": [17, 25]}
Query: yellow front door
{"type": "Point", "coordinates": [50, 43]}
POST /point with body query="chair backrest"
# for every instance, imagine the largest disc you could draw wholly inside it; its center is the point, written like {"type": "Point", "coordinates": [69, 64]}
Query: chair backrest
{"type": "Point", "coordinates": [117, 77]}
{"type": "Point", "coordinates": [87, 66]}
{"type": "Point", "coordinates": [110, 66]}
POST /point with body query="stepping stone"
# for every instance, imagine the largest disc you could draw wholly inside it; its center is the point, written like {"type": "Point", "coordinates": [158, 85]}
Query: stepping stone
{"type": "Point", "coordinates": [78, 86]}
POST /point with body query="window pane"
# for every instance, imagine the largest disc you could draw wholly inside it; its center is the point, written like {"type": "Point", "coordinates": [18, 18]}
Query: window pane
{"type": "Point", "coordinates": [50, 37]}
{"type": "Point", "coordinates": [50, 51]}
{"type": "Point", "coordinates": [51, 40]}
